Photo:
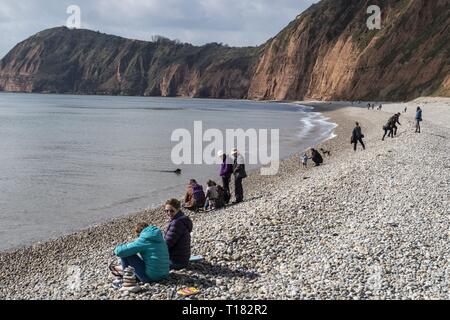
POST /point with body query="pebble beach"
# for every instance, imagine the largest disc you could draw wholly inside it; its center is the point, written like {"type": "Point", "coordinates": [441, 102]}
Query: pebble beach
{"type": "Point", "coordinates": [371, 224]}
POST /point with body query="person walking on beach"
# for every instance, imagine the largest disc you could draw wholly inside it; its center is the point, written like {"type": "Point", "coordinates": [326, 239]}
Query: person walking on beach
{"type": "Point", "coordinates": [316, 157]}
{"type": "Point", "coordinates": [195, 196]}
{"type": "Point", "coordinates": [178, 235]}
{"type": "Point", "coordinates": [148, 255]}
{"type": "Point", "coordinates": [239, 174]}
{"type": "Point", "coordinates": [226, 170]}
{"type": "Point", "coordinates": [357, 136]}
{"type": "Point", "coordinates": [396, 120]}
{"type": "Point", "coordinates": [388, 128]}
{"type": "Point", "coordinates": [418, 119]}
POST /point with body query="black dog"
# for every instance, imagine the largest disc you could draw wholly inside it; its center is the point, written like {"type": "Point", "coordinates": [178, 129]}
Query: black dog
{"type": "Point", "coordinates": [325, 152]}
{"type": "Point", "coordinates": [178, 171]}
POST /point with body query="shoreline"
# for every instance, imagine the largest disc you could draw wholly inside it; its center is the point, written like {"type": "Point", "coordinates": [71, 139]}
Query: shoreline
{"type": "Point", "coordinates": [156, 205]}
{"type": "Point", "coordinates": [219, 242]}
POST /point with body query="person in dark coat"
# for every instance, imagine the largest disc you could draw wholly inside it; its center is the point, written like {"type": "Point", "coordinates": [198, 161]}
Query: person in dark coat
{"type": "Point", "coordinates": [316, 157]}
{"type": "Point", "coordinates": [395, 121]}
{"type": "Point", "coordinates": [226, 170]}
{"type": "Point", "coordinates": [357, 136]}
{"type": "Point", "coordinates": [239, 174]}
{"type": "Point", "coordinates": [418, 119]}
{"type": "Point", "coordinates": [388, 129]}
{"type": "Point", "coordinates": [178, 235]}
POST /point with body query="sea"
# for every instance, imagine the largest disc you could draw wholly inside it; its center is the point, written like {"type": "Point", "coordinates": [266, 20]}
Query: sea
{"type": "Point", "coordinates": [68, 162]}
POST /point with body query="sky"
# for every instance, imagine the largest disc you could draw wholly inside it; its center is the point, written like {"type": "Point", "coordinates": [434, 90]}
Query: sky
{"type": "Point", "coordinates": [232, 22]}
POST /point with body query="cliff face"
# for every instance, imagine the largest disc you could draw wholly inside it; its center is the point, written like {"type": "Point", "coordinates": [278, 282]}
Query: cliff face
{"type": "Point", "coordinates": [326, 53]}
{"type": "Point", "coordinates": [80, 61]}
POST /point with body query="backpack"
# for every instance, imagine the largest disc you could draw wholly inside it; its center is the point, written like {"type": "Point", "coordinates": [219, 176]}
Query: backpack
{"type": "Point", "coordinates": [199, 194]}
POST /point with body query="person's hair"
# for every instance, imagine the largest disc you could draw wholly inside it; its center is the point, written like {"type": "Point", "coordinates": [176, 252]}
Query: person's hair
{"type": "Point", "coordinates": [174, 203]}
{"type": "Point", "coordinates": [211, 183]}
{"type": "Point", "coordinates": [418, 108]}
{"type": "Point", "coordinates": [192, 181]}
{"type": "Point", "coordinates": [357, 124]}
{"type": "Point", "coordinates": [140, 227]}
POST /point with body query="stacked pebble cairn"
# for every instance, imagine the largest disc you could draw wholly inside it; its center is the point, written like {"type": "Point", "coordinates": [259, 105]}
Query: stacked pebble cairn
{"type": "Point", "coordinates": [130, 283]}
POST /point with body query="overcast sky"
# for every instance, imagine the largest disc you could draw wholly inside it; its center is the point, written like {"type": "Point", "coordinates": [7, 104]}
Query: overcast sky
{"type": "Point", "coordinates": [234, 22]}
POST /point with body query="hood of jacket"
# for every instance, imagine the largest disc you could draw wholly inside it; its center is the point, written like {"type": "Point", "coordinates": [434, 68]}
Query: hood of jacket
{"type": "Point", "coordinates": [151, 234]}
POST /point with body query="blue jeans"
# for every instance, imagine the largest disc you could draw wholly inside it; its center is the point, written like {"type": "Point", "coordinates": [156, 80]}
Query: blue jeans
{"type": "Point", "coordinates": [139, 267]}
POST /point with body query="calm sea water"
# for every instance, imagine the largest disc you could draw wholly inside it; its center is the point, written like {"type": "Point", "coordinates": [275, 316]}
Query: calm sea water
{"type": "Point", "coordinates": [67, 162]}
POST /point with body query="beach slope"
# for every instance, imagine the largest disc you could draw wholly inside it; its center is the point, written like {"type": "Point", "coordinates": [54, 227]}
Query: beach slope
{"type": "Point", "coordinates": [367, 225]}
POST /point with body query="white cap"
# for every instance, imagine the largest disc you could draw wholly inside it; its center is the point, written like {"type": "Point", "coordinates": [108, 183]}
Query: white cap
{"type": "Point", "coordinates": [220, 153]}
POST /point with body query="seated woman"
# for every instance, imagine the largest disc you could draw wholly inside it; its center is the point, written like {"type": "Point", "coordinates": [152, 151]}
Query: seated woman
{"type": "Point", "coordinates": [212, 195]}
{"type": "Point", "coordinates": [178, 235]}
{"type": "Point", "coordinates": [195, 196]}
{"type": "Point", "coordinates": [148, 255]}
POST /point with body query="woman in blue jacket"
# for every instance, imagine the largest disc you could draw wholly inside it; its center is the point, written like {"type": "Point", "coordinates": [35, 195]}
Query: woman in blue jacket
{"type": "Point", "coordinates": [148, 255]}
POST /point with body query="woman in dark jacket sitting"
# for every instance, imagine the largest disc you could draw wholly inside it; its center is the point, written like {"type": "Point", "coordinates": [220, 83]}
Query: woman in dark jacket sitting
{"type": "Point", "coordinates": [178, 235]}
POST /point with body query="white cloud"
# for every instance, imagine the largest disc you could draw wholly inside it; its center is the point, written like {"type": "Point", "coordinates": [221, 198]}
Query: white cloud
{"type": "Point", "coordinates": [235, 22]}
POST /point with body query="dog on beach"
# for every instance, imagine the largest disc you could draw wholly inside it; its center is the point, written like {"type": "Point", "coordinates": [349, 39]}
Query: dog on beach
{"type": "Point", "coordinates": [325, 152]}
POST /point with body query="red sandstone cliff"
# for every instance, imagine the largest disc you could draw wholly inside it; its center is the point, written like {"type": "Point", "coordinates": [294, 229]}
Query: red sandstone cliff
{"type": "Point", "coordinates": [328, 52]}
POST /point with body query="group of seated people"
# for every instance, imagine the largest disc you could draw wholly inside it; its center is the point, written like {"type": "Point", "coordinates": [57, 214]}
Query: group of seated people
{"type": "Point", "coordinates": [152, 254]}
{"type": "Point", "coordinates": [215, 197]}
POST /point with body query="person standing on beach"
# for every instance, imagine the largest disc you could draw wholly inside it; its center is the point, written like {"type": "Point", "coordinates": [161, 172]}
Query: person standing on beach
{"type": "Point", "coordinates": [226, 170]}
{"type": "Point", "coordinates": [305, 159]}
{"type": "Point", "coordinates": [388, 128]}
{"type": "Point", "coordinates": [357, 136]}
{"type": "Point", "coordinates": [418, 119]}
{"type": "Point", "coordinates": [178, 235]}
{"type": "Point", "coordinates": [239, 174]}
